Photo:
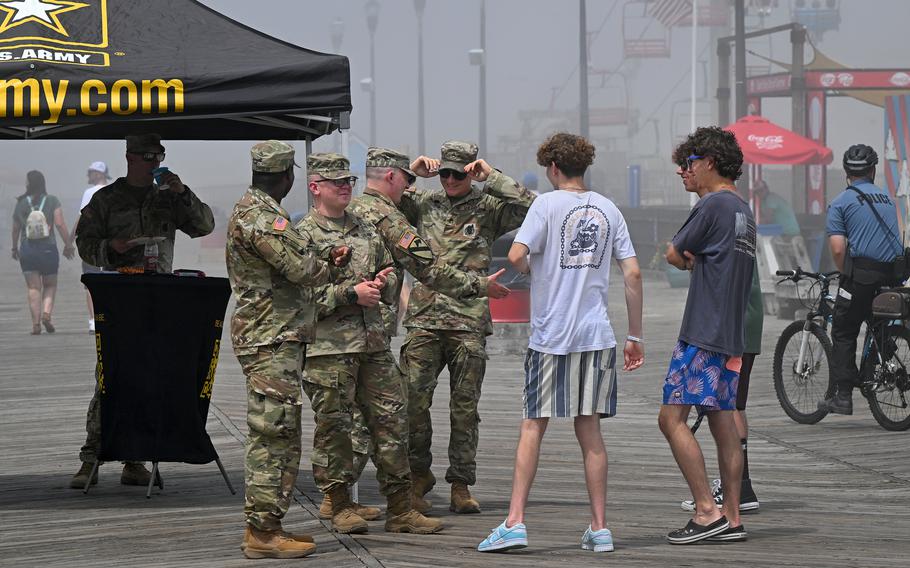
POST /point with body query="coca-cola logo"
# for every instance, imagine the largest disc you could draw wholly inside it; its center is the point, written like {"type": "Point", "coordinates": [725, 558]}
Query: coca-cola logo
{"type": "Point", "coordinates": [900, 79]}
{"type": "Point", "coordinates": [827, 79]}
{"type": "Point", "coordinates": [845, 79]}
{"type": "Point", "coordinates": [770, 142]}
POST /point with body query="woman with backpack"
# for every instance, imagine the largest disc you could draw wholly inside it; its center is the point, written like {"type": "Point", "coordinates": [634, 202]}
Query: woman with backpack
{"type": "Point", "coordinates": [35, 247]}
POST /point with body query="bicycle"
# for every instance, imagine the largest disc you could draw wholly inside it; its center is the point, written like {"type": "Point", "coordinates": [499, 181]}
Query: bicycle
{"type": "Point", "coordinates": [804, 349]}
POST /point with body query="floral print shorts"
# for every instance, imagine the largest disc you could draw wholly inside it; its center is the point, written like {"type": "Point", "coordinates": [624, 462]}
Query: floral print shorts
{"type": "Point", "coordinates": [702, 378]}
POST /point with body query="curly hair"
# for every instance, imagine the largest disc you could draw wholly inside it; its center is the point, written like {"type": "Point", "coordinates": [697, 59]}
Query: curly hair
{"type": "Point", "coordinates": [572, 154]}
{"type": "Point", "coordinates": [717, 144]}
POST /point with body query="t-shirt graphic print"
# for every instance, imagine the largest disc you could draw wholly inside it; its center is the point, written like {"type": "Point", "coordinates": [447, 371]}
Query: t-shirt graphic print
{"type": "Point", "coordinates": [583, 238]}
{"type": "Point", "coordinates": [745, 234]}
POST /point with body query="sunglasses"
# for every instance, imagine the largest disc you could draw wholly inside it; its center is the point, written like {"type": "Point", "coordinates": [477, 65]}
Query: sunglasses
{"type": "Point", "coordinates": [444, 174]}
{"type": "Point", "coordinates": [411, 179]}
{"type": "Point", "coordinates": [690, 160]}
{"type": "Point", "coordinates": [341, 182]}
{"type": "Point", "coordinates": [150, 156]}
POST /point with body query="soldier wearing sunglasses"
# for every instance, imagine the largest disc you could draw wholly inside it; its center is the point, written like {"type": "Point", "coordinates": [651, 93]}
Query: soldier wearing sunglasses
{"type": "Point", "coordinates": [460, 224]}
{"type": "Point", "coordinates": [131, 208]}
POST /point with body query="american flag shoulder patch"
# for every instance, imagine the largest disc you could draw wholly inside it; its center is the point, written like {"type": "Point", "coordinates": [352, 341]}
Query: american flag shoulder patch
{"type": "Point", "coordinates": [406, 239]}
{"type": "Point", "coordinates": [280, 224]}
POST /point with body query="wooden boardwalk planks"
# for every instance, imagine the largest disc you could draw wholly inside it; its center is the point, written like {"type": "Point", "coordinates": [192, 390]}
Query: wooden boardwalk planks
{"type": "Point", "coordinates": [837, 493]}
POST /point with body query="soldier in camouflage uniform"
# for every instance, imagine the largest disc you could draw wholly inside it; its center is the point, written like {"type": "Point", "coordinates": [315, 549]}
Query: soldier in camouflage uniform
{"type": "Point", "coordinates": [388, 175]}
{"type": "Point", "coordinates": [267, 263]}
{"type": "Point", "coordinates": [460, 223]}
{"type": "Point", "coordinates": [133, 207]}
{"type": "Point", "coordinates": [350, 364]}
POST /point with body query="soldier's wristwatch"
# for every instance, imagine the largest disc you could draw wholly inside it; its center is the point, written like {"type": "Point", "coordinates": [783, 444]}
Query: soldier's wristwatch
{"type": "Point", "coordinates": [350, 295]}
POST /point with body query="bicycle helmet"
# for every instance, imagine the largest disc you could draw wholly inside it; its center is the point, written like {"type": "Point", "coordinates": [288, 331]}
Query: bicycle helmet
{"type": "Point", "coordinates": [859, 158]}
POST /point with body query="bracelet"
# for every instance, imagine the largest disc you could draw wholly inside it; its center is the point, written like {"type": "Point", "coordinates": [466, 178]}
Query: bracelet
{"type": "Point", "coordinates": [633, 339]}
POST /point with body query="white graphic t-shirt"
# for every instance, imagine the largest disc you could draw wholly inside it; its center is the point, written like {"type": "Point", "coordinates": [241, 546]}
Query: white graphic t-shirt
{"type": "Point", "coordinates": [572, 238]}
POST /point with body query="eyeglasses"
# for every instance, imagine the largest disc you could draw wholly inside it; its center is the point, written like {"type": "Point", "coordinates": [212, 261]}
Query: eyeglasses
{"type": "Point", "coordinates": [690, 160]}
{"type": "Point", "coordinates": [150, 156]}
{"type": "Point", "coordinates": [444, 174]}
{"type": "Point", "coordinates": [341, 182]}
{"type": "Point", "coordinates": [411, 179]}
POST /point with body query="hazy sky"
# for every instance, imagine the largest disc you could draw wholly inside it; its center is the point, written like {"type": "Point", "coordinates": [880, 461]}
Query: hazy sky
{"type": "Point", "coordinates": [532, 48]}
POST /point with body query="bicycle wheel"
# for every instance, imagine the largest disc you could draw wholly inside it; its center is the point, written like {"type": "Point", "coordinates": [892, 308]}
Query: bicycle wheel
{"type": "Point", "coordinates": [889, 391]}
{"type": "Point", "coordinates": [800, 390]}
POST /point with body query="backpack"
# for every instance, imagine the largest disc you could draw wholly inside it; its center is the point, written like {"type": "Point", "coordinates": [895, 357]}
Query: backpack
{"type": "Point", "coordinates": [36, 226]}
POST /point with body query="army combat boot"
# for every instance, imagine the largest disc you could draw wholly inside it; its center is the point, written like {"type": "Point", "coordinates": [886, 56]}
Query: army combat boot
{"type": "Point", "coordinates": [344, 519]}
{"type": "Point", "coordinates": [462, 502]}
{"type": "Point", "coordinates": [298, 537]}
{"type": "Point", "coordinates": [401, 517]}
{"type": "Point", "coordinates": [78, 481]}
{"type": "Point", "coordinates": [134, 473]}
{"type": "Point", "coordinates": [421, 484]}
{"type": "Point", "coordinates": [365, 513]}
{"type": "Point", "coordinates": [275, 544]}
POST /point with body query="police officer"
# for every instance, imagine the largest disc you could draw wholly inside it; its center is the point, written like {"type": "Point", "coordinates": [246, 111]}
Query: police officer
{"type": "Point", "coordinates": [350, 364]}
{"type": "Point", "coordinates": [864, 239]}
{"type": "Point", "coordinates": [267, 264]}
{"type": "Point", "coordinates": [127, 209]}
{"type": "Point", "coordinates": [460, 224]}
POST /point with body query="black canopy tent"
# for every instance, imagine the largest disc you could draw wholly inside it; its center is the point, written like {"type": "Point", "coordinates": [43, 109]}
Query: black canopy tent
{"type": "Point", "coordinates": [99, 69]}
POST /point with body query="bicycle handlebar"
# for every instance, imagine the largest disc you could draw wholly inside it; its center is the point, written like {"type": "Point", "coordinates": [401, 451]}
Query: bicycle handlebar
{"type": "Point", "coordinates": [799, 274]}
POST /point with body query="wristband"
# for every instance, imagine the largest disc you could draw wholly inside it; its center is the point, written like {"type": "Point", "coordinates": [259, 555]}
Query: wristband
{"type": "Point", "coordinates": [633, 339]}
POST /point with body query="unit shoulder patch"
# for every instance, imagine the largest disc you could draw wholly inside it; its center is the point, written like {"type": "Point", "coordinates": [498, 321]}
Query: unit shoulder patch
{"type": "Point", "coordinates": [415, 246]}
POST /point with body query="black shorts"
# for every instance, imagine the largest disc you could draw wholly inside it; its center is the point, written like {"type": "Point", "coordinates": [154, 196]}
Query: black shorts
{"type": "Point", "coordinates": [39, 257]}
{"type": "Point", "coordinates": [742, 391]}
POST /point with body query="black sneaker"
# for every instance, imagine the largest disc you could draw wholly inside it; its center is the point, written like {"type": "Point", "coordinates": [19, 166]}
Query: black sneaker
{"type": "Point", "coordinates": [693, 532]}
{"type": "Point", "coordinates": [838, 404]}
{"type": "Point", "coordinates": [732, 534]}
{"type": "Point", "coordinates": [747, 499]}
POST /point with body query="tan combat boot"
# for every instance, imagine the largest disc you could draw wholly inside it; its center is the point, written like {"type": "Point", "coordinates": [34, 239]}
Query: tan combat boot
{"type": "Point", "coordinates": [344, 519]}
{"type": "Point", "coordinates": [401, 517]}
{"type": "Point", "coordinates": [298, 537]}
{"type": "Point", "coordinates": [365, 513]}
{"type": "Point", "coordinates": [274, 544]}
{"type": "Point", "coordinates": [134, 473]}
{"type": "Point", "coordinates": [462, 502]}
{"type": "Point", "coordinates": [78, 481]}
{"type": "Point", "coordinates": [421, 484]}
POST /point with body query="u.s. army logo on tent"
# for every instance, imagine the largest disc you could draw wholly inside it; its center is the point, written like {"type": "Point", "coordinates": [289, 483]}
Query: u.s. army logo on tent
{"type": "Point", "coordinates": [54, 31]}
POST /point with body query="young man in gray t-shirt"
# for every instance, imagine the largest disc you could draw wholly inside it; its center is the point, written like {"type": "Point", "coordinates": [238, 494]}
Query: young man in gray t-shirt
{"type": "Point", "coordinates": [717, 243]}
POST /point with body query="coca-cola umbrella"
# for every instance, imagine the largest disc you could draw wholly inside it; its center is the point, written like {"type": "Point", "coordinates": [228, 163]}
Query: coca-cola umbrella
{"type": "Point", "coordinates": [764, 142]}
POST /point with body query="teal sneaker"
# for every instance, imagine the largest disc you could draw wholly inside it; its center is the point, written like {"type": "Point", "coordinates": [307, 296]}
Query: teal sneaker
{"type": "Point", "coordinates": [505, 538]}
{"type": "Point", "coordinates": [598, 541]}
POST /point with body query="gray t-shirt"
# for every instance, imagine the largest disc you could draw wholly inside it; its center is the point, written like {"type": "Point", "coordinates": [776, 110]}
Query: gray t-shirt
{"type": "Point", "coordinates": [720, 232]}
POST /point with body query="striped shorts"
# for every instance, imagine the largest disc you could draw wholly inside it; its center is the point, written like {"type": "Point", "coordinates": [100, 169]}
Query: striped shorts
{"type": "Point", "coordinates": [565, 386]}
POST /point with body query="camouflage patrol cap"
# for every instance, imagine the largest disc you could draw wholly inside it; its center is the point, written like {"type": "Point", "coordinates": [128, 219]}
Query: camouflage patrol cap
{"type": "Point", "coordinates": [329, 165]}
{"type": "Point", "coordinates": [456, 155]}
{"type": "Point", "coordinates": [388, 158]}
{"type": "Point", "coordinates": [272, 156]}
{"type": "Point", "coordinates": [142, 143]}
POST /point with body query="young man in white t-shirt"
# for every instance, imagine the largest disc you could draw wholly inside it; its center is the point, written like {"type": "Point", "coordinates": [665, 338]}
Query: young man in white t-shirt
{"type": "Point", "coordinates": [98, 177]}
{"type": "Point", "coordinates": [566, 243]}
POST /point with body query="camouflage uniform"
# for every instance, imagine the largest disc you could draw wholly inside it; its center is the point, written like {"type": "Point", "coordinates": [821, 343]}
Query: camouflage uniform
{"type": "Point", "coordinates": [350, 364]}
{"type": "Point", "coordinates": [267, 262]}
{"type": "Point", "coordinates": [444, 331]}
{"type": "Point", "coordinates": [122, 211]}
{"type": "Point", "coordinates": [409, 252]}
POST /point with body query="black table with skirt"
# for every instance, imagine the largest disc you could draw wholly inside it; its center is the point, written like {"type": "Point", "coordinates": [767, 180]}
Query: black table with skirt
{"type": "Point", "coordinates": [157, 339]}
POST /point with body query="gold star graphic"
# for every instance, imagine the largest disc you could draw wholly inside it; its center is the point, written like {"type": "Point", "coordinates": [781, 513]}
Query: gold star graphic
{"type": "Point", "coordinates": [44, 12]}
